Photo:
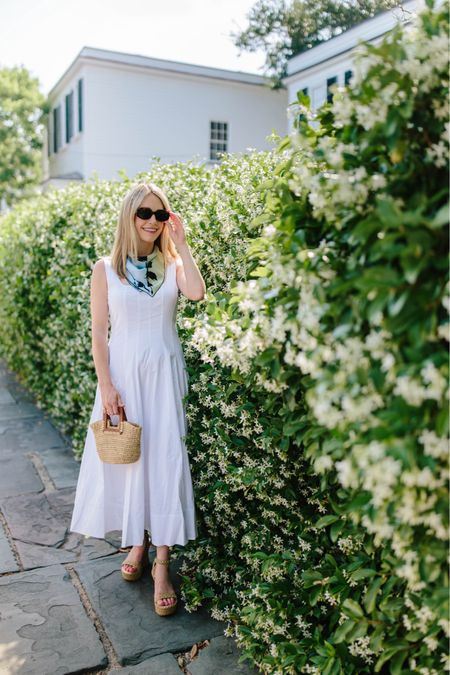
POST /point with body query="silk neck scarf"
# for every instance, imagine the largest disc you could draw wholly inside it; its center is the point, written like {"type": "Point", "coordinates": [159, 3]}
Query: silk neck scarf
{"type": "Point", "coordinates": [146, 272]}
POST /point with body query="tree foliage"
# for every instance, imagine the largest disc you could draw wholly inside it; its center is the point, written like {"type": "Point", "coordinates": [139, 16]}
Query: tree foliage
{"type": "Point", "coordinates": [22, 113]}
{"type": "Point", "coordinates": [284, 28]}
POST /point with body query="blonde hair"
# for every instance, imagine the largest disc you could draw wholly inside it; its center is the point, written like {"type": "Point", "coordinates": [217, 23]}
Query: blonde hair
{"type": "Point", "coordinates": [127, 240]}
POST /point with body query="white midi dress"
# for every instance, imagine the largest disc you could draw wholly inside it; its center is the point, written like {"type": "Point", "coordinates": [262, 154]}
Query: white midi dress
{"type": "Point", "coordinates": [148, 369]}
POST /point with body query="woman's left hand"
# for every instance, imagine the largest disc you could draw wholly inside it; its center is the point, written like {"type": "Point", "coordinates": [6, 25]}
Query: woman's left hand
{"type": "Point", "coordinates": [176, 229]}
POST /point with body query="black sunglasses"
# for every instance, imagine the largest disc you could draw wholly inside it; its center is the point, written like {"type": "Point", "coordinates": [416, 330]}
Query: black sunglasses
{"type": "Point", "coordinates": [144, 212]}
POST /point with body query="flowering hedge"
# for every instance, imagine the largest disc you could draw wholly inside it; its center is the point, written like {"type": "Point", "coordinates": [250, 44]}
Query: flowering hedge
{"type": "Point", "coordinates": [49, 244]}
{"type": "Point", "coordinates": [321, 424]}
{"type": "Point", "coordinates": [318, 407]}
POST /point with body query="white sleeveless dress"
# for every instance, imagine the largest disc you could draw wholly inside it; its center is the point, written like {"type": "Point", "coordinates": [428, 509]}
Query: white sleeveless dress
{"type": "Point", "coordinates": [148, 369]}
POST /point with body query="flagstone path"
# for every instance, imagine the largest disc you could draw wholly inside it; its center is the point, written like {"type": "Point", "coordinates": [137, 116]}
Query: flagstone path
{"type": "Point", "coordinates": [64, 607]}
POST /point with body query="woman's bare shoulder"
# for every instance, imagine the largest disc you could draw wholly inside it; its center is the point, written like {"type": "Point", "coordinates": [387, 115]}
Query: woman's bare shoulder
{"type": "Point", "coordinates": [102, 262]}
{"type": "Point", "coordinates": [99, 269]}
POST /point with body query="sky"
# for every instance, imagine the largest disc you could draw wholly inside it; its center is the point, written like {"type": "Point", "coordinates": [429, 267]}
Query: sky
{"type": "Point", "coordinates": [45, 36]}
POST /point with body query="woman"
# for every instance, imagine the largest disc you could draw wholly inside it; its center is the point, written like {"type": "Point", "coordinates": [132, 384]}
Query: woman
{"type": "Point", "coordinates": [142, 368]}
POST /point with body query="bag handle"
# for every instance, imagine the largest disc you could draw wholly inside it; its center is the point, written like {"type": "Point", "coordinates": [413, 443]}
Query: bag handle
{"type": "Point", "coordinates": [106, 422]}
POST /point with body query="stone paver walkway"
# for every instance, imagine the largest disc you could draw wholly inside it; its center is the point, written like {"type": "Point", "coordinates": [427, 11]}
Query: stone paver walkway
{"type": "Point", "coordinates": [64, 607]}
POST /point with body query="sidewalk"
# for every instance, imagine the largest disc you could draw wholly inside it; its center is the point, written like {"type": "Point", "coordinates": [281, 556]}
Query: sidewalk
{"type": "Point", "coordinates": [64, 605]}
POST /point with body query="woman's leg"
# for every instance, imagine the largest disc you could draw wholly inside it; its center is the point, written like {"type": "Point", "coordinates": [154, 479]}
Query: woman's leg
{"type": "Point", "coordinates": [135, 553]}
{"type": "Point", "coordinates": [162, 577]}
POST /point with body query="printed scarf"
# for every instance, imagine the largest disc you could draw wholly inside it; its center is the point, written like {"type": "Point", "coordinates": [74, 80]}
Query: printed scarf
{"type": "Point", "coordinates": [146, 272]}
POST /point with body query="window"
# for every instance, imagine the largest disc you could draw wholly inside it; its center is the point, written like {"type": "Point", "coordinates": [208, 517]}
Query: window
{"type": "Point", "coordinates": [218, 139]}
{"type": "Point", "coordinates": [56, 128]}
{"type": "Point", "coordinates": [49, 135]}
{"type": "Point", "coordinates": [69, 116]}
{"type": "Point", "coordinates": [80, 105]}
{"type": "Point", "coordinates": [347, 76]}
{"type": "Point", "coordinates": [330, 81]}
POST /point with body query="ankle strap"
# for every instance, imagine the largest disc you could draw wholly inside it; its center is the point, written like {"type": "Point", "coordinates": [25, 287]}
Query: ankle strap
{"type": "Point", "coordinates": [163, 562]}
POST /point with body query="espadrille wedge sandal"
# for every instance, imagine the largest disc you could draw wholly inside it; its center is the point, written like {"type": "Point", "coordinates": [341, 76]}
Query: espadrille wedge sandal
{"type": "Point", "coordinates": [139, 565]}
{"type": "Point", "coordinates": [163, 610]}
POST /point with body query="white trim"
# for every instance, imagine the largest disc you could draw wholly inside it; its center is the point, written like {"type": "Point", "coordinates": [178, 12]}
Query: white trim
{"type": "Point", "coordinates": [366, 31]}
{"type": "Point", "coordinates": [108, 57]}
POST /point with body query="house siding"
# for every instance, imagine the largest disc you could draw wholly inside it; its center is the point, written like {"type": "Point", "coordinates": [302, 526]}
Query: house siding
{"type": "Point", "coordinates": [132, 113]}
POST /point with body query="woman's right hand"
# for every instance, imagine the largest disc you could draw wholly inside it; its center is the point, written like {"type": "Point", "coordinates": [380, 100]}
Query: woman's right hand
{"type": "Point", "coordinates": [111, 399]}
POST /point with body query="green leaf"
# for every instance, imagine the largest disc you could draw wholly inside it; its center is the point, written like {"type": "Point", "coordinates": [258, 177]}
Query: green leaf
{"type": "Point", "coordinates": [336, 529]}
{"type": "Point", "coordinates": [442, 422]}
{"type": "Point", "coordinates": [441, 217]}
{"type": "Point", "coordinates": [358, 502]}
{"type": "Point", "coordinates": [260, 272]}
{"type": "Point", "coordinates": [364, 229]}
{"type": "Point", "coordinates": [390, 649]}
{"type": "Point", "coordinates": [391, 606]}
{"type": "Point", "coordinates": [310, 576]}
{"type": "Point", "coordinates": [291, 426]}
{"type": "Point", "coordinates": [326, 520]}
{"type": "Point", "coordinates": [369, 599]}
{"type": "Point", "coordinates": [342, 630]}
{"type": "Point", "coordinates": [397, 662]}
{"type": "Point", "coordinates": [412, 266]}
{"type": "Point", "coordinates": [329, 667]}
{"type": "Point", "coordinates": [352, 608]}
{"type": "Point", "coordinates": [362, 573]}
{"type": "Point", "coordinates": [359, 630]}
{"type": "Point", "coordinates": [266, 356]}
{"type": "Point", "coordinates": [259, 220]}
{"type": "Point", "coordinates": [376, 276]}
{"type": "Point", "coordinates": [314, 595]}
{"type": "Point", "coordinates": [378, 303]}
{"type": "Point", "coordinates": [330, 649]}
{"type": "Point", "coordinates": [275, 368]}
{"type": "Point", "coordinates": [389, 212]}
{"type": "Point", "coordinates": [259, 555]}
{"type": "Point", "coordinates": [395, 305]}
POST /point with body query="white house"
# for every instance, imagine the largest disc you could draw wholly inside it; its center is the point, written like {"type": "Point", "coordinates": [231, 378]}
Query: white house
{"type": "Point", "coordinates": [317, 69]}
{"type": "Point", "coordinates": [112, 111]}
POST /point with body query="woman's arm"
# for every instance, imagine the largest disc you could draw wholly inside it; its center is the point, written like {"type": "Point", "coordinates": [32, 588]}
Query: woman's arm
{"type": "Point", "coordinates": [189, 279]}
{"type": "Point", "coordinates": [99, 315]}
{"type": "Point", "coordinates": [99, 322]}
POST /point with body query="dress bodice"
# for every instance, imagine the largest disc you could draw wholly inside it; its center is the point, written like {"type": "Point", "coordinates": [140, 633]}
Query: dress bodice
{"type": "Point", "coordinates": [142, 323]}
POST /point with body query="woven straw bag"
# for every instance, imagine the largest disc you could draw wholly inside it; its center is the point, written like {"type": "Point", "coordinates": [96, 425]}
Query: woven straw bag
{"type": "Point", "coordinates": [119, 444]}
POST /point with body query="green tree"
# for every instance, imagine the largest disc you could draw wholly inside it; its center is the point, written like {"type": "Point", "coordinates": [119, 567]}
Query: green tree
{"type": "Point", "coordinates": [286, 28]}
{"type": "Point", "coordinates": [22, 115]}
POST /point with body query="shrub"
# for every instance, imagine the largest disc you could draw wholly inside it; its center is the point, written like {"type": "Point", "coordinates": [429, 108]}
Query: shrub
{"type": "Point", "coordinates": [49, 244]}
{"type": "Point", "coordinates": [321, 423]}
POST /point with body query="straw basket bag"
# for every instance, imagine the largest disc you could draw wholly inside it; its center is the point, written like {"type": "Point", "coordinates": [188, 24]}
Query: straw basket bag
{"type": "Point", "coordinates": [119, 444]}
